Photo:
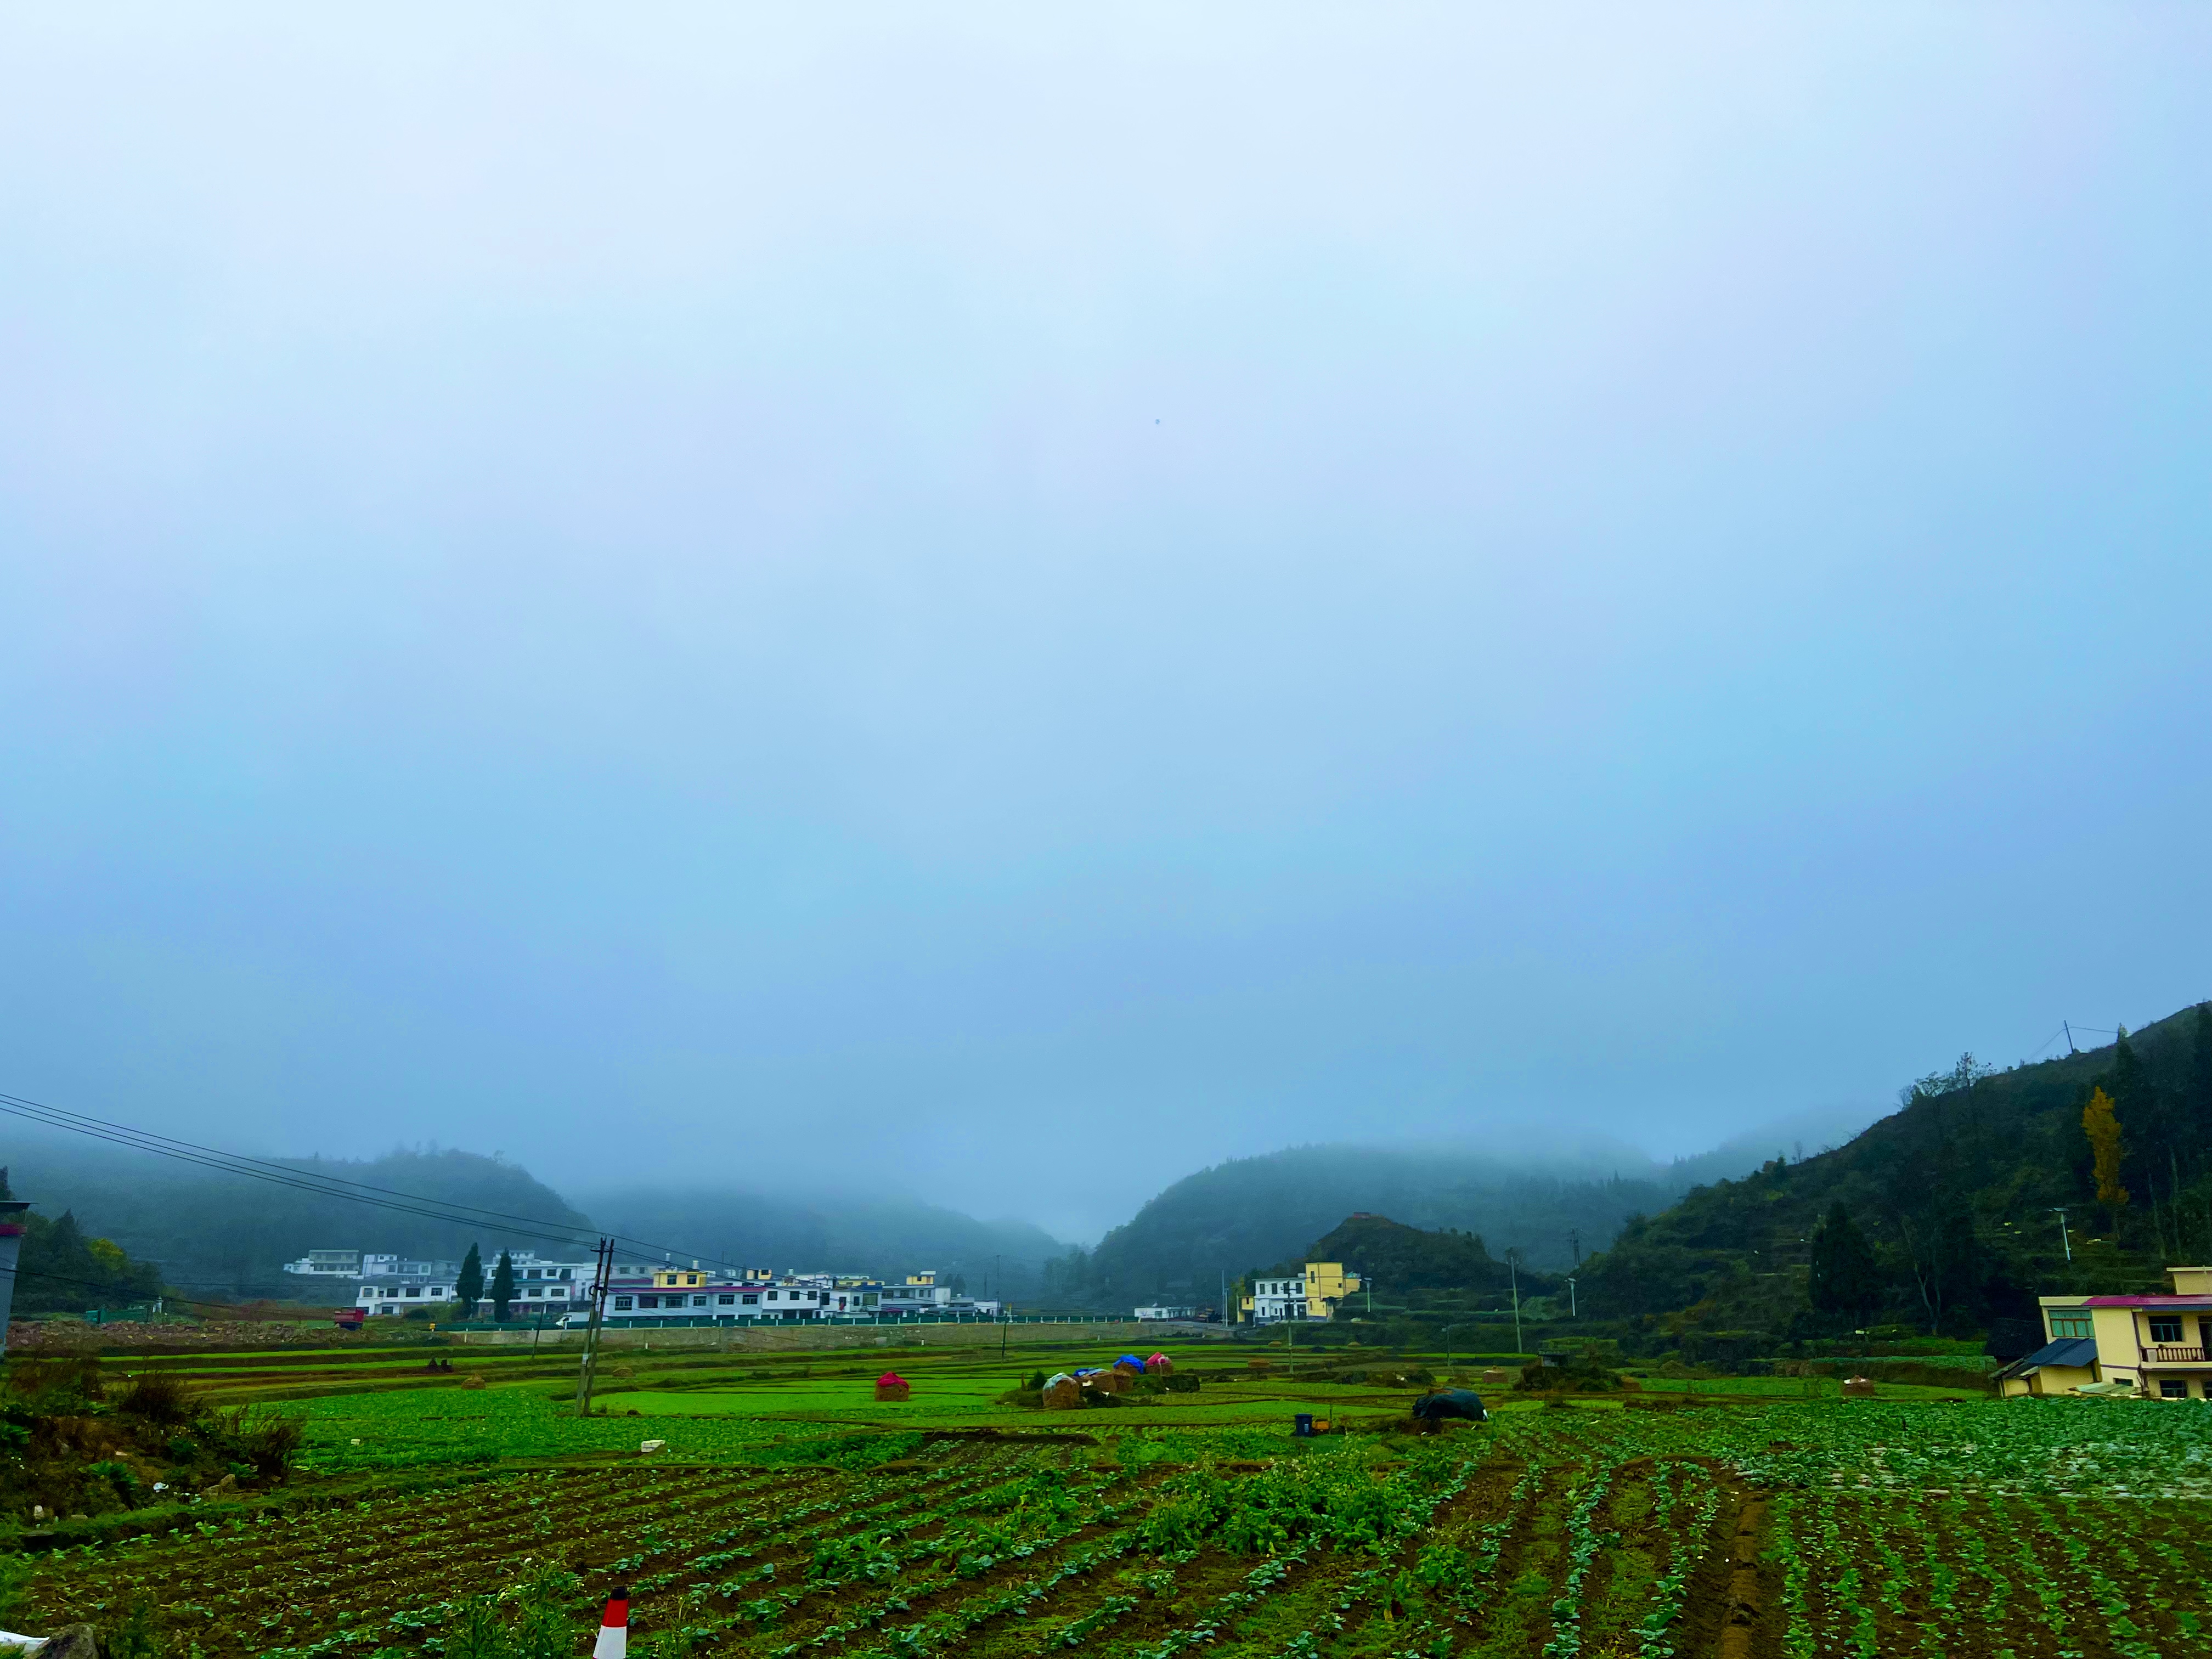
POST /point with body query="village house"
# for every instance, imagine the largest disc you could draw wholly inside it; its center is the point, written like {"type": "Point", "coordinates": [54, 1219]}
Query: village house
{"type": "Point", "coordinates": [2155, 1346]}
{"type": "Point", "coordinates": [1312, 1293]}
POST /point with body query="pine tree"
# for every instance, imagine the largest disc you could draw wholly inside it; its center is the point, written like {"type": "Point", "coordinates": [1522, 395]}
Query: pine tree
{"type": "Point", "coordinates": [468, 1289]}
{"type": "Point", "coordinates": [1846, 1280]}
{"type": "Point", "coordinates": [2100, 1122]}
{"type": "Point", "coordinates": [503, 1288]}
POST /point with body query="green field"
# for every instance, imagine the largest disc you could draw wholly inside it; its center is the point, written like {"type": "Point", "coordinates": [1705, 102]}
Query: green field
{"type": "Point", "coordinates": [789, 1513]}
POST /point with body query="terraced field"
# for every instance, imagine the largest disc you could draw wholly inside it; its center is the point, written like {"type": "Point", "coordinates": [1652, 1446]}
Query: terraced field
{"type": "Point", "coordinates": [791, 1514]}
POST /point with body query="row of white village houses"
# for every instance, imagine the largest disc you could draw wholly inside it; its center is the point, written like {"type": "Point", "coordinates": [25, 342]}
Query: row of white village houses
{"type": "Point", "coordinates": [640, 1292]}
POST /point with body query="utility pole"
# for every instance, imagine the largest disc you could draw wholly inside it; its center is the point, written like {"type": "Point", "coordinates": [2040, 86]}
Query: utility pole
{"type": "Point", "coordinates": [1513, 1266]}
{"type": "Point", "coordinates": [1575, 1243]}
{"type": "Point", "coordinates": [1574, 1308]}
{"type": "Point", "coordinates": [2070, 1048]}
{"type": "Point", "coordinates": [602, 1271]}
{"type": "Point", "coordinates": [2065, 1243]}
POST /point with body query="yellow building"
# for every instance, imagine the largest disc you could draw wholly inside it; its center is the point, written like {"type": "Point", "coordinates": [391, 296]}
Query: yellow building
{"type": "Point", "coordinates": [2154, 1346]}
{"type": "Point", "coordinates": [1313, 1292]}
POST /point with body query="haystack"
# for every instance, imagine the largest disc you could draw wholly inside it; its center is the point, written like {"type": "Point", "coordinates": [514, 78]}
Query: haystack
{"type": "Point", "coordinates": [891, 1386]}
{"type": "Point", "coordinates": [1062, 1393]}
{"type": "Point", "coordinates": [1858, 1388]}
{"type": "Point", "coordinates": [1160, 1365]}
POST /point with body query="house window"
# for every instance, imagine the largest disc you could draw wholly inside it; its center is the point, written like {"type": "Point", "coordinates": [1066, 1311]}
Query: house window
{"type": "Point", "coordinates": [416, 1290]}
{"type": "Point", "coordinates": [622, 1303]}
{"type": "Point", "coordinates": [2165, 1328]}
{"type": "Point", "coordinates": [698, 1301]}
{"type": "Point", "coordinates": [752, 1301]}
{"type": "Point", "coordinates": [726, 1301]}
{"type": "Point", "coordinates": [2073, 1323]}
{"type": "Point", "coordinates": [649, 1301]}
{"type": "Point", "coordinates": [2173, 1387]}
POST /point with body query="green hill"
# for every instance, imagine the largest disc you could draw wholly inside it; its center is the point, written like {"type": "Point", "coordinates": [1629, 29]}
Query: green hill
{"type": "Point", "coordinates": [1946, 1206]}
{"type": "Point", "coordinates": [1225, 1221]}
{"type": "Point", "coordinates": [1401, 1258]}
{"type": "Point", "coordinates": [221, 1235]}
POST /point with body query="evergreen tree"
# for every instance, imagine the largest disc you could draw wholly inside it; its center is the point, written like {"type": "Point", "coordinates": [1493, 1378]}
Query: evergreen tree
{"type": "Point", "coordinates": [468, 1289]}
{"type": "Point", "coordinates": [2196, 1099]}
{"type": "Point", "coordinates": [503, 1288]}
{"type": "Point", "coordinates": [1846, 1280]}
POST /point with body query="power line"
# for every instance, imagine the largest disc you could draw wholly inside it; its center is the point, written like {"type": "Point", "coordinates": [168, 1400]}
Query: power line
{"type": "Point", "coordinates": [357, 1192]}
{"type": "Point", "coordinates": [238, 1163]}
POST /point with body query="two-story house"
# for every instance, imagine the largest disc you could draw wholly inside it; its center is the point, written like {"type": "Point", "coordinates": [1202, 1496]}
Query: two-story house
{"type": "Point", "coordinates": [1312, 1293]}
{"type": "Point", "coordinates": [2158, 1347]}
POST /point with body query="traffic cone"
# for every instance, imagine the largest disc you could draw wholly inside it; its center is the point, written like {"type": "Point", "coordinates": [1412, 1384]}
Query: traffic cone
{"type": "Point", "coordinates": [614, 1627]}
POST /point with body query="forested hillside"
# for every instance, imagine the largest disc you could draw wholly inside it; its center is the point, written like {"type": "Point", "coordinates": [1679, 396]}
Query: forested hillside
{"type": "Point", "coordinates": [1944, 1213]}
{"type": "Point", "coordinates": [61, 1266]}
{"type": "Point", "coordinates": [1256, 1211]}
{"type": "Point", "coordinates": [1398, 1258]}
{"type": "Point", "coordinates": [225, 1235]}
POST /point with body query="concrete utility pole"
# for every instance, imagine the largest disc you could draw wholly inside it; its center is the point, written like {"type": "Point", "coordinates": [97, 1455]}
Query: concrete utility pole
{"type": "Point", "coordinates": [11, 1247]}
{"type": "Point", "coordinates": [2066, 1243]}
{"type": "Point", "coordinates": [602, 1271]}
{"type": "Point", "coordinates": [1574, 1308]}
{"type": "Point", "coordinates": [1513, 1266]}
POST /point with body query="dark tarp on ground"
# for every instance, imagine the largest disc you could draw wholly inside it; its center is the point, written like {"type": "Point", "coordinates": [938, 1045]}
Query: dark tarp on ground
{"type": "Point", "coordinates": [1452, 1402]}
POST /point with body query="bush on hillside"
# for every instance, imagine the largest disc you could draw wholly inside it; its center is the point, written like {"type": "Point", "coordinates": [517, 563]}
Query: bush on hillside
{"type": "Point", "coordinates": [76, 1440]}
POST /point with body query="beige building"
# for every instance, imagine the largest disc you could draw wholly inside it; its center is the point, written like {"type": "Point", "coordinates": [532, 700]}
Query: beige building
{"type": "Point", "coordinates": [2155, 1346]}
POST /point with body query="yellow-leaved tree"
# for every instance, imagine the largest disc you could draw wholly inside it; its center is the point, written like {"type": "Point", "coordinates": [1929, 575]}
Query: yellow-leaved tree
{"type": "Point", "coordinates": [2102, 1123]}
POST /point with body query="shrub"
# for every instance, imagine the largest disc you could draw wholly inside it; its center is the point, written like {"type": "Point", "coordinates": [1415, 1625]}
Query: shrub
{"type": "Point", "coordinates": [158, 1397]}
{"type": "Point", "coordinates": [267, 1441]}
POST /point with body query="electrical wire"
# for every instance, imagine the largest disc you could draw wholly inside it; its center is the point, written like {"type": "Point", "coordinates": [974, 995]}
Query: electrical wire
{"type": "Point", "coordinates": [358, 1192]}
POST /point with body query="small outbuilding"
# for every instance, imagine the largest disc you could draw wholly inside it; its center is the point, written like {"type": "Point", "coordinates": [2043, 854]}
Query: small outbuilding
{"type": "Point", "coordinates": [2054, 1368]}
{"type": "Point", "coordinates": [891, 1386]}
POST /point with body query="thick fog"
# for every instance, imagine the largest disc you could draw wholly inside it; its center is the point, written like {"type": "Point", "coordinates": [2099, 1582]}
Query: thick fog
{"type": "Point", "coordinates": [1002, 606]}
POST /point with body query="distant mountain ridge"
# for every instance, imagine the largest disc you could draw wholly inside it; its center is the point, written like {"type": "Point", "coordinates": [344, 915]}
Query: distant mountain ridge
{"type": "Point", "coordinates": [228, 1237]}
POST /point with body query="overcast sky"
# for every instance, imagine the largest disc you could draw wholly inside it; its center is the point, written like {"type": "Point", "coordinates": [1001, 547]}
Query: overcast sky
{"type": "Point", "coordinates": [1007, 606]}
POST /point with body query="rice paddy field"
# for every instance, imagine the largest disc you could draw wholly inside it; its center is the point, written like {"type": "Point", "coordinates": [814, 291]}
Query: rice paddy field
{"type": "Point", "coordinates": [788, 1514]}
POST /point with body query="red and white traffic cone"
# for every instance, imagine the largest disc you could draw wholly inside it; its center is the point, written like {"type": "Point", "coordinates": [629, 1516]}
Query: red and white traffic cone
{"type": "Point", "coordinates": [614, 1627]}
